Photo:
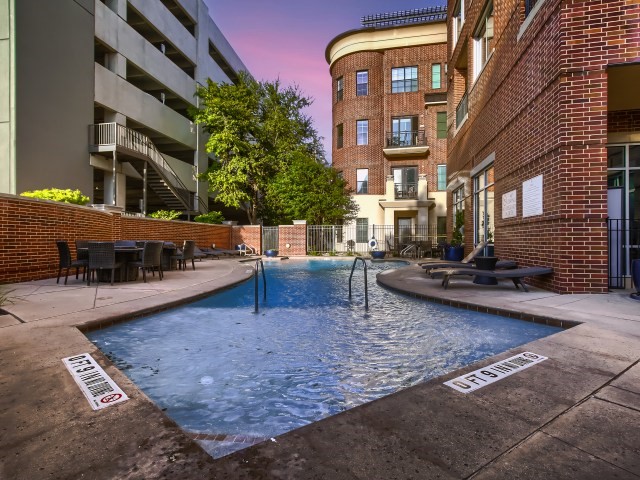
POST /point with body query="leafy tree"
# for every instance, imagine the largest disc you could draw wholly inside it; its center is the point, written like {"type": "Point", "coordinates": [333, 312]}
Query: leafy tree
{"type": "Point", "coordinates": [58, 195]}
{"type": "Point", "coordinates": [165, 214]}
{"type": "Point", "coordinates": [256, 130]}
{"type": "Point", "coordinates": [311, 191]}
{"type": "Point", "coordinates": [211, 217]}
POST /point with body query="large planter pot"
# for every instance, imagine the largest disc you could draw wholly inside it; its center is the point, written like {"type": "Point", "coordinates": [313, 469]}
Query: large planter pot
{"type": "Point", "coordinates": [271, 253]}
{"type": "Point", "coordinates": [378, 254]}
{"type": "Point", "coordinates": [454, 253]}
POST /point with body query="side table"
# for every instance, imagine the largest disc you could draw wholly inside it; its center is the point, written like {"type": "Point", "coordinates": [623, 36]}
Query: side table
{"type": "Point", "coordinates": [485, 263]}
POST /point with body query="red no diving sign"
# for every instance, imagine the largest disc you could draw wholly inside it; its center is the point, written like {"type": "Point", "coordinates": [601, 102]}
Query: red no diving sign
{"type": "Point", "coordinates": [99, 389]}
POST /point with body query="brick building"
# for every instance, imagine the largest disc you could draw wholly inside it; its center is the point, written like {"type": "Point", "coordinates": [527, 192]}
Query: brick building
{"type": "Point", "coordinates": [544, 134]}
{"type": "Point", "coordinates": [389, 123]}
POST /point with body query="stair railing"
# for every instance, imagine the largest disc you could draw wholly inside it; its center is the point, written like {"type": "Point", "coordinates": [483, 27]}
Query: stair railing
{"type": "Point", "coordinates": [116, 135]}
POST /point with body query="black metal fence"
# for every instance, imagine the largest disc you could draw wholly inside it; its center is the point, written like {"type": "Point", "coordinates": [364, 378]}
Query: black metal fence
{"type": "Point", "coordinates": [270, 238]}
{"type": "Point", "coordinates": [410, 240]}
{"type": "Point", "coordinates": [623, 246]}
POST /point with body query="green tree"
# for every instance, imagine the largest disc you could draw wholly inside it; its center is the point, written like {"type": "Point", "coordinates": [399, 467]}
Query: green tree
{"type": "Point", "coordinates": [256, 129]}
{"type": "Point", "coordinates": [308, 190]}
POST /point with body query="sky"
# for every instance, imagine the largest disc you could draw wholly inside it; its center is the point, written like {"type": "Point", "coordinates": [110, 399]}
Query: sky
{"type": "Point", "coordinates": [286, 39]}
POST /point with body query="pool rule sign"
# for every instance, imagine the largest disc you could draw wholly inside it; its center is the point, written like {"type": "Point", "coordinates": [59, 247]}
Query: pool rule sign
{"type": "Point", "coordinates": [94, 382]}
{"type": "Point", "coordinates": [494, 372]}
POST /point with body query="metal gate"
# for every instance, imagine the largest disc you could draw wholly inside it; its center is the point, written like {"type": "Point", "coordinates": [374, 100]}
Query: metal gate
{"type": "Point", "coordinates": [270, 238]}
{"type": "Point", "coordinates": [624, 246]}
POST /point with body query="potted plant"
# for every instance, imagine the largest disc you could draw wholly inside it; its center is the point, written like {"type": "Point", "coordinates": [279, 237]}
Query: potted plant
{"type": "Point", "coordinates": [455, 250]}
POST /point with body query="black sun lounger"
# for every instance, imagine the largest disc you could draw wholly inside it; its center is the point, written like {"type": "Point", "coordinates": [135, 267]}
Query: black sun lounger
{"type": "Point", "coordinates": [435, 268]}
{"type": "Point", "coordinates": [516, 274]}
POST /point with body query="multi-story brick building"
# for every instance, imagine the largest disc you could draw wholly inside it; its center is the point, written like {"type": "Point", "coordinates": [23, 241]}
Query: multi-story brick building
{"type": "Point", "coordinates": [544, 134]}
{"type": "Point", "coordinates": [94, 95]}
{"type": "Point", "coordinates": [389, 119]}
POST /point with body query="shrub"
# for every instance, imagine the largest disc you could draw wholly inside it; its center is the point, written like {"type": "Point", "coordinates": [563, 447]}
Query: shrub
{"type": "Point", "coordinates": [211, 217]}
{"type": "Point", "coordinates": [4, 296]}
{"type": "Point", "coordinates": [166, 214]}
{"type": "Point", "coordinates": [58, 195]}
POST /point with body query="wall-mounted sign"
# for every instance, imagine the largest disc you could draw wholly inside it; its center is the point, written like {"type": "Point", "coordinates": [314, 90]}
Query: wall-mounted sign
{"type": "Point", "coordinates": [494, 372]}
{"type": "Point", "coordinates": [509, 204]}
{"type": "Point", "coordinates": [532, 197]}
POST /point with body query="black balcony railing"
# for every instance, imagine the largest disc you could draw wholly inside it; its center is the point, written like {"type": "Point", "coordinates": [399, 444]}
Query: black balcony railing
{"type": "Point", "coordinates": [409, 138]}
{"type": "Point", "coordinates": [462, 110]}
{"type": "Point", "coordinates": [406, 191]}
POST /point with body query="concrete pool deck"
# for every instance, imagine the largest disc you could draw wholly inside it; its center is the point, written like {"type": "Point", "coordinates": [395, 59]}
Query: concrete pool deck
{"type": "Point", "coordinates": [575, 415]}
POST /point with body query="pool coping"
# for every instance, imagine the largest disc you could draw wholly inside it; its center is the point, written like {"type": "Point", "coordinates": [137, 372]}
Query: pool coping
{"type": "Point", "coordinates": [375, 440]}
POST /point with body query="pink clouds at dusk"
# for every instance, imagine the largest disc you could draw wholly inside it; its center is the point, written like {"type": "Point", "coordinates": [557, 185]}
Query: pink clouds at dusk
{"type": "Point", "coordinates": [287, 39]}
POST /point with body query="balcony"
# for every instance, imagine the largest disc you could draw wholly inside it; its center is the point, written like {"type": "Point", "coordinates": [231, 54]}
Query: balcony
{"type": "Point", "coordinates": [462, 110]}
{"type": "Point", "coordinates": [409, 142]}
{"type": "Point", "coordinates": [406, 191]}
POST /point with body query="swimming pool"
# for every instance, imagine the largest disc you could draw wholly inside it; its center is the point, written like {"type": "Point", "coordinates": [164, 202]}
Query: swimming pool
{"type": "Point", "coordinates": [235, 377]}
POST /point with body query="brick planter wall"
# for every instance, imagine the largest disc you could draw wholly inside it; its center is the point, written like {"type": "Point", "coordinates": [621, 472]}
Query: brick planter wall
{"type": "Point", "coordinates": [30, 227]}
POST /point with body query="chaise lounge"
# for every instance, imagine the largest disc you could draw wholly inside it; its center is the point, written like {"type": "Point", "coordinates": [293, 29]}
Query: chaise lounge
{"type": "Point", "coordinates": [516, 274]}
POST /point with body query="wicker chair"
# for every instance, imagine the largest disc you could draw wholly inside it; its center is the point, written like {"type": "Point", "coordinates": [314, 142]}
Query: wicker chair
{"type": "Point", "coordinates": [151, 258]}
{"type": "Point", "coordinates": [102, 256]}
{"type": "Point", "coordinates": [186, 254]}
{"type": "Point", "coordinates": [66, 262]}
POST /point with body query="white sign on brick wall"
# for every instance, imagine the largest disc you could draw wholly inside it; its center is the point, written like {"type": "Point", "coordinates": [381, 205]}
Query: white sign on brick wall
{"type": "Point", "coordinates": [509, 204]}
{"type": "Point", "coordinates": [532, 197]}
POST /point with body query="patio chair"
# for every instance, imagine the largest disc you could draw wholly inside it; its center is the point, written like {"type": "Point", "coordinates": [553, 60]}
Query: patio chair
{"type": "Point", "coordinates": [209, 252]}
{"type": "Point", "coordinates": [516, 274]}
{"type": "Point", "coordinates": [66, 262]}
{"type": "Point", "coordinates": [151, 259]}
{"type": "Point", "coordinates": [185, 254]}
{"type": "Point", "coordinates": [437, 263]}
{"type": "Point", "coordinates": [199, 254]}
{"type": "Point", "coordinates": [102, 256]}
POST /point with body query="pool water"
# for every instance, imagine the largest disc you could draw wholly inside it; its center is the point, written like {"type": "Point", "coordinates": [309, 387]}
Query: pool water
{"type": "Point", "coordinates": [236, 377]}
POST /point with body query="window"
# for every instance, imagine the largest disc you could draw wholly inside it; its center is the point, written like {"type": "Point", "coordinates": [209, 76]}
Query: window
{"type": "Point", "coordinates": [362, 132]}
{"type": "Point", "coordinates": [362, 83]}
{"type": "Point", "coordinates": [339, 136]}
{"type": "Point", "coordinates": [483, 200]}
{"type": "Point", "coordinates": [441, 229]}
{"type": "Point", "coordinates": [339, 88]}
{"type": "Point", "coordinates": [483, 40]}
{"type": "Point", "coordinates": [458, 20]}
{"type": "Point", "coordinates": [528, 6]}
{"type": "Point", "coordinates": [404, 132]}
{"type": "Point", "coordinates": [362, 230]}
{"type": "Point", "coordinates": [362, 180]}
{"type": "Point", "coordinates": [405, 182]}
{"type": "Point", "coordinates": [458, 203]}
{"type": "Point", "coordinates": [404, 79]}
{"type": "Point", "coordinates": [442, 177]}
{"type": "Point", "coordinates": [436, 81]}
{"type": "Point", "coordinates": [441, 125]}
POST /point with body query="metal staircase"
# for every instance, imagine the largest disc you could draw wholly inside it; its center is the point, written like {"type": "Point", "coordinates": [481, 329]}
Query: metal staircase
{"type": "Point", "coordinates": [112, 137]}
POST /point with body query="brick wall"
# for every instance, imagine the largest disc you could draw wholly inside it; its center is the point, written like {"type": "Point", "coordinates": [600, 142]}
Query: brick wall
{"type": "Point", "coordinates": [30, 227]}
{"type": "Point", "coordinates": [296, 237]}
{"type": "Point", "coordinates": [249, 234]}
{"type": "Point", "coordinates": [624, 121]}
{"type": "Point", "coordinates": [379, 107]}
{"type": "Point", "coordinates": [540, 104]}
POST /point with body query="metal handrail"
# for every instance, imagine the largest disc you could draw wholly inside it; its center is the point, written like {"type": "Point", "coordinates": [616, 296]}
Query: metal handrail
{"type": "Point", "coordinates": [366, 289]}
{"type": "Point", "coordinates": [256, 284]}
{"type": "Point", "coordinates": [406, 138]}
{"type": "Point", "coordinates": [114, 134]}
{"type": "Point", "coordinates": [462, 110]}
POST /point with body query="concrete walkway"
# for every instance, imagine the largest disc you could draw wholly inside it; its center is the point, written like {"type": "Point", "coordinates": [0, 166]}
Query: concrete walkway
{"type": "Point", "coordinates": [575, 415]}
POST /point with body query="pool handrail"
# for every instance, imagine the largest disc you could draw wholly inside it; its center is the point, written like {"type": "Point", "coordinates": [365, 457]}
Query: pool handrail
{"type": "Point", "coordinates": [366, 290]}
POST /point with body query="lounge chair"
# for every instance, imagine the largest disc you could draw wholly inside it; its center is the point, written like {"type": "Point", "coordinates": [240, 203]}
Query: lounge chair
{"type": "Point", "coordinates": [515, 274]}
{"type": "Point", "coordinates": [198, 253]}
{"type": "Point", "coordinates": [429, 265]}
